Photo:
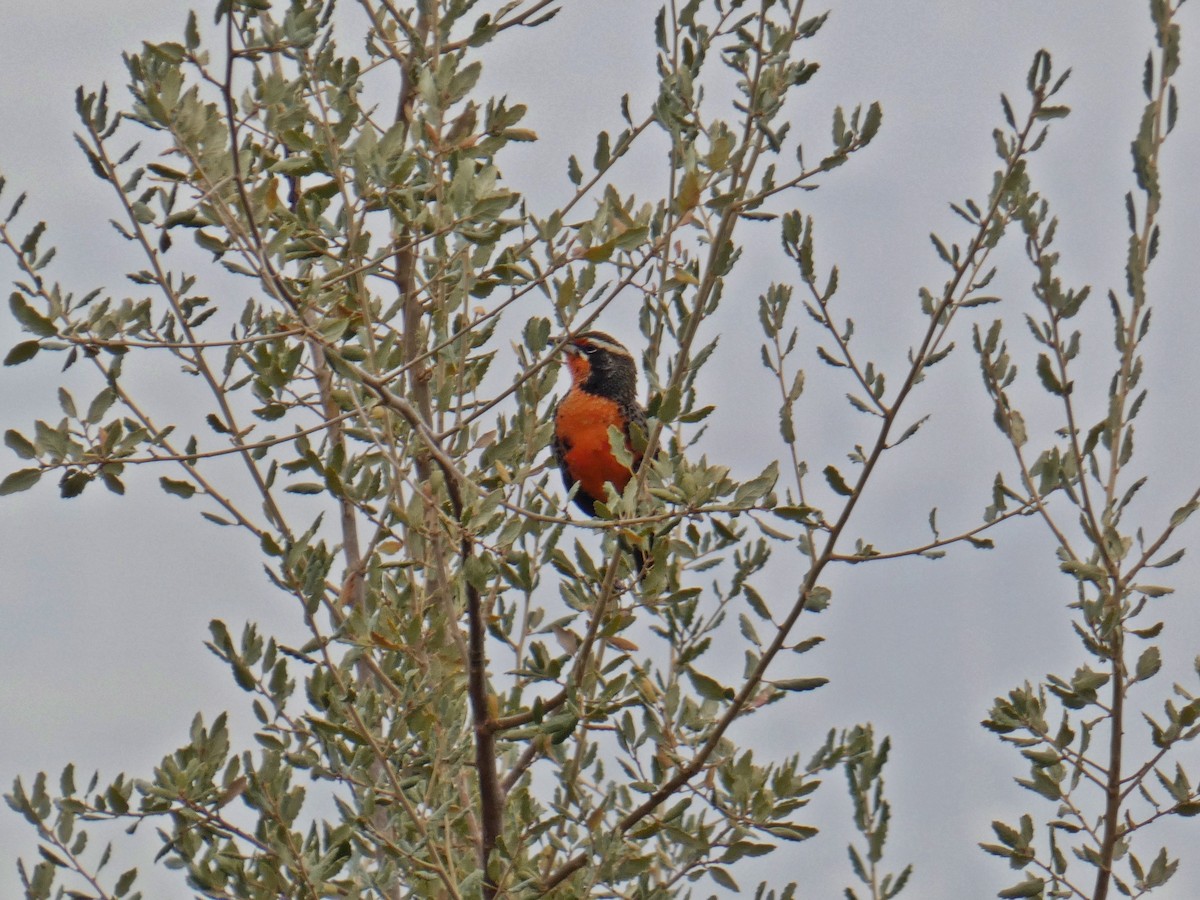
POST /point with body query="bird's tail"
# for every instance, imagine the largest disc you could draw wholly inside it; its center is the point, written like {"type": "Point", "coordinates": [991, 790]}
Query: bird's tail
{"type": "Point", "coordinates": [638, 558]}
{"type": "Point", "coordinates": [639, 563]}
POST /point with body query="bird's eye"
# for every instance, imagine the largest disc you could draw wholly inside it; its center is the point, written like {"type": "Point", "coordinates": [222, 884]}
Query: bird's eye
{"type": "Point", "coordinates": [589, 349]}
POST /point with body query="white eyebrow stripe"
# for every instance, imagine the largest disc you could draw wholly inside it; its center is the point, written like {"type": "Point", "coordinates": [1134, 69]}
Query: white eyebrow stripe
{"type": "Point", "coordinates": [606, 345]}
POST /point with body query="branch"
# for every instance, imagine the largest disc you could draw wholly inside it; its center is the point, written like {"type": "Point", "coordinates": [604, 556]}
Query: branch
{"type": "Point", "coordinates": [1024, 509]}
{"type": "Point", "coordinates": [939, 318]}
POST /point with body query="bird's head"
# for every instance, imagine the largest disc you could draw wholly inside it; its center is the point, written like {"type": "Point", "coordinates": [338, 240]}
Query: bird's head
{"type": "Point", "coordinates": [600, 364]}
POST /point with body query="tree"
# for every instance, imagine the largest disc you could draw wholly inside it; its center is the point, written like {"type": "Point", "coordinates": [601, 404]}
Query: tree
{"type": "Point", "coordinates": [495, 705]}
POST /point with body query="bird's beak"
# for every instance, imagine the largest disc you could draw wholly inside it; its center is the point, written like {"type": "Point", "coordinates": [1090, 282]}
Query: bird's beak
{"type": "Point", "coordinates": [569, 347]}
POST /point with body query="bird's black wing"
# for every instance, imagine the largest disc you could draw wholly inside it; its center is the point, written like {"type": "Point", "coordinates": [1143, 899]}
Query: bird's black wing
{"type": "Point", "coordinates": [634, 415]}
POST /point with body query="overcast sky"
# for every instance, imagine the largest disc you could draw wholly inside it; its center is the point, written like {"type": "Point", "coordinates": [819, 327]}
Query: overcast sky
{"type": "Point", "coordinates": [106, 600]}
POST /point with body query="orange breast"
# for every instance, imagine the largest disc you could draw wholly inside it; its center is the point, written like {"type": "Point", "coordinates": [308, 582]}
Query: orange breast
{"type": "Point", "coordinates": [583, 421]}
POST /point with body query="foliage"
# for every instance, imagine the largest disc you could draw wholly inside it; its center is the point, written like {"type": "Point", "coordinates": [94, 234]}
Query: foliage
{"type": "Point", "coordinates": [1075, 730]}
{"type": "Point", "coordinates": [495, 706]}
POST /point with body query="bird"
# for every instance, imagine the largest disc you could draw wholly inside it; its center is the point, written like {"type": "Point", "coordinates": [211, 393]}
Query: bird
{"type": "Point", "coordinates": [603, 394]}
